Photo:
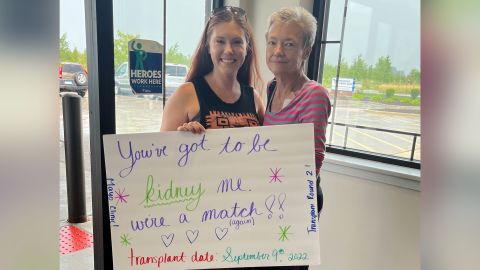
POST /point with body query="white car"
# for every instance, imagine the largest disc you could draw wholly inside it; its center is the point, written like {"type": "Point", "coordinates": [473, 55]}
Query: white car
{"type": "Point", "coordinates": [174, 77]}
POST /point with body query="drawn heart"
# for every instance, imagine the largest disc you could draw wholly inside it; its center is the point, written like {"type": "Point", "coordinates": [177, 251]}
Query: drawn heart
{"type": "Point", "coordinates": [191, 235]}
{"type": "Point", "coordinates": [220, 232]}
{"type": "Point", "coordinates": [167, 239]}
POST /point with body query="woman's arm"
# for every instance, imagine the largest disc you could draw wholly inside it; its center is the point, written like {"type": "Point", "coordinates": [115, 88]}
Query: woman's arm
{"type": "Point", "coordinates": [180, 108]}
{"type": "Point", "coordinates": [316, 109]}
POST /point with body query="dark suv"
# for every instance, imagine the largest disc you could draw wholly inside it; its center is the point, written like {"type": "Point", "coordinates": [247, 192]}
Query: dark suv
{"type": "Point", "coordinates": [73, 78]}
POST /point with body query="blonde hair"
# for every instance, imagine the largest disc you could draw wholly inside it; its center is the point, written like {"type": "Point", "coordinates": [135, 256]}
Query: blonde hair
{"type": "Point", "coordinates": [300, 16]}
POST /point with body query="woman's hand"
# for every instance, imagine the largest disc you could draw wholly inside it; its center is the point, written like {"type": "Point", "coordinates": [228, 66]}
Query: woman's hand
{"type": "Point", "coordinates": [194, 127]}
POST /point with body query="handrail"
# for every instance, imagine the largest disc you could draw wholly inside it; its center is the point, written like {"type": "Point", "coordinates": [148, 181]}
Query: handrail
{"type": "Point", "coordinates": [415, 135]}
{"type": "Point", "coordinates": [377, 129]}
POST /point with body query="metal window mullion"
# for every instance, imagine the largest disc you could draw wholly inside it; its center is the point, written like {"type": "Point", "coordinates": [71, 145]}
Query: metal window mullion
{"type": "Point", "coordinates": [164, 89]}
{"type": "Point", "coordinates": [413, 146]}
{"type": "Point", "coordinates": [323, 44]}
{"type": "Point", "coordinates": [217, 4]}
{"type": "Point", "coordinates": [101, 98]}
{"type": "Point", "coordinates": [338, 71]}
{"type": "Point", "coordinates": [346, 137]}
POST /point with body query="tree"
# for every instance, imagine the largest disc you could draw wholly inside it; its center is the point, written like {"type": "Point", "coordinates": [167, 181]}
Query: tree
{"type": "Point", "coordinates": [345, 70]}
{"type": "Point", "coordinates": [120, 47]}
{"type": "Point", "coordinates": [382, 72]}
{"type": "Point", "coordinates": [176, 57]}
{"type": "Point", "coordinates": [359, 68]}
{"type": "Point", "coordinates": [68, 55]}
{"type": "Point", "coordinates": [329, 71]}
{"type": "Point", "coordinates": [414, 76]}
{"type": "Point", "coordinates": [64, 48]}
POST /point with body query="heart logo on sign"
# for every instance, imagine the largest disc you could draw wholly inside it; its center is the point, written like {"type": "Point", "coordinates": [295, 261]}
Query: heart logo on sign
{"type": "Point", "coordinates": [221, 232]}
{"type": "Point", "coordinates": [191, 235]}
{"type": "Point", "coordinates": [167, 239]}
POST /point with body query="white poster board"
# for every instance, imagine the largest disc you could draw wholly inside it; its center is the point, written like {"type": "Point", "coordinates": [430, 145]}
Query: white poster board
{"type": "Point", "coordinates": [227, 198]}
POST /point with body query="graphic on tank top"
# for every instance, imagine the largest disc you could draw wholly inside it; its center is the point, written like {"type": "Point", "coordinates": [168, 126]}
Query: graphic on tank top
{"type": "Point", "coordinates": [219, 119]}
{"type": "Point", "coordinates": [215, 113]}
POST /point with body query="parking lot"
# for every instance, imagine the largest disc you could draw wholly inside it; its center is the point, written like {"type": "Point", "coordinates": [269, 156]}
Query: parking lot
{"type": "Point", "coordinates": [144, 114]}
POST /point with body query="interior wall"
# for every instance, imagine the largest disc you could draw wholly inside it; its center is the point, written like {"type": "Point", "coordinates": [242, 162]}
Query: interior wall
{"type": "Point", "coordinates": [368, 225]}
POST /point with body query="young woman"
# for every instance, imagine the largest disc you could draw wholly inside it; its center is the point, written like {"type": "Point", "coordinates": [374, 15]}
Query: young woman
{"type": "Point", "coordinates": [218, 92]}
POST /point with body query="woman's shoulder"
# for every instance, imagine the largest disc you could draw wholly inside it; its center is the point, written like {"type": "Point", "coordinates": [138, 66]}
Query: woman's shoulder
{"type": "Point", "coordinates": [186, 89]}
{"type": "Point", "coordinates": [184, 93]}
{"type": "Point", "coordinates": [314, 88]}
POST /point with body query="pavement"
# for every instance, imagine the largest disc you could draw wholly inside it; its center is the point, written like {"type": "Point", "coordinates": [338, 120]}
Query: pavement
{"type": "Point", "coordinates": [75, 240]}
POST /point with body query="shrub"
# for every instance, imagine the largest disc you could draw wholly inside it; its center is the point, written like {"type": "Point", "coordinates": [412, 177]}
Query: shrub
{"type": "Point", "coordinates": [377, 98]}
{"type": "Point", "coordinates": [390, 92]}
{"type": "Point", "coordinates": [415, 102]}
{"type": "Point", "coordinates": [358, 96]}
{"type": "Point", "coordinates": [414, 93]}
{"type": "Point", "coordinates": [390, 100]}
{"type": "Point", "coordinates": [405, 100]}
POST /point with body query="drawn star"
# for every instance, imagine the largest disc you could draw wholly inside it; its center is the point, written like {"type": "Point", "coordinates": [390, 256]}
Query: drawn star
{"type": "Point", "coordinates": [284, 232]}
{"type": "Point", "coordinates": [121, 197]}
{"type": "Point", "coordinates": [125, 239]}
{"type": "Point", "coordinates": [275, 177]}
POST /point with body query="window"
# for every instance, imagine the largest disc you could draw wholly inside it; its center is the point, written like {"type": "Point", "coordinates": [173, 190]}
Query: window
{"type": "Point", "coordinates": [372, 71]}
{"type": "Point", "coordinates": [122, 69]}
{"type": "Point", "coordinates": [182, 71]}
{"type": "Point", "coordinates": [144, 20]}
{"type": "Point", "coordinates": [170, 70]}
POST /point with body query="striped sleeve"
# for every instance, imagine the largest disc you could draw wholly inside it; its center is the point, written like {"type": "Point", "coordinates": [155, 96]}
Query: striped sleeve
{"type": "Point", "coordinates": [316, 108]}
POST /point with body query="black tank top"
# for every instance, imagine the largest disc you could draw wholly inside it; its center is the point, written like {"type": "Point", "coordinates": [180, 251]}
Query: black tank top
{"type": "Point", "coordinates": [215, 113]}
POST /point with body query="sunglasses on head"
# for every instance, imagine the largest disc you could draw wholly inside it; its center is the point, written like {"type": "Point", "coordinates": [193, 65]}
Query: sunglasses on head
{"type": "Point", "coordinates": [234, 10]}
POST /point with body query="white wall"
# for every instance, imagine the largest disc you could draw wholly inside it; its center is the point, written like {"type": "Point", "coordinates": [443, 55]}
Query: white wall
{"type": "Point", "coordinates": [367, 225]}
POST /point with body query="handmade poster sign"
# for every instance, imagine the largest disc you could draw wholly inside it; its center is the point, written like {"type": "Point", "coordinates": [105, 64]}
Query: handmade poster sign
{"type": "Point", "coordinates": [223, 199]}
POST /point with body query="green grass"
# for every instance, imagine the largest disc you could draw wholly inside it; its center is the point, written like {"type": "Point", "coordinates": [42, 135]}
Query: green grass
{"type": "Point", "coordinates": [382, 98]}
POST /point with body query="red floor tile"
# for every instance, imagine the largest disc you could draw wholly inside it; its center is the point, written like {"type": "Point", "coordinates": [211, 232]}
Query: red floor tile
{"type": "Point", "coordinates": [74, 239]}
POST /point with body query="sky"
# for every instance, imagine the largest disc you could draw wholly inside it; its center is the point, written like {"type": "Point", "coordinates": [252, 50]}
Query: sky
{"type": "Point", "coordinates": [72, 22]}
{"type": "Point", "coordinates": [388, 29]}
{"type": "Point", "coordinates": [140, 17]}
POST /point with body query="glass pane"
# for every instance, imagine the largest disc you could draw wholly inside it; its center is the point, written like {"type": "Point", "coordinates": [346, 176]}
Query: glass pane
{"type": "Point", "coordinates": [335, 20]}
{"type": "Point", "coordinates": [182, 71]}
{"type": "Point", "coordinates": [73, 55]}
{"type": "Point", "coordinates": [143, 113]}
{"type": "Point", "coordinates": [379, 82]}
{"type": "Point", "coordinates": [170, 70]}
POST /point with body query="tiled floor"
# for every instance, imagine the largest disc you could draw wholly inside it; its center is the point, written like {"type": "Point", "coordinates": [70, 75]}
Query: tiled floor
{"type": "Point", "coordinates": [73, 239]}
{"type": "Point", "coordinates": [82, 257]}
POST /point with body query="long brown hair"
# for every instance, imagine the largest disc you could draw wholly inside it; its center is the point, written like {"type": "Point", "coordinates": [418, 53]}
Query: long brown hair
{"type": "Point", "coordinates": [202, 62]}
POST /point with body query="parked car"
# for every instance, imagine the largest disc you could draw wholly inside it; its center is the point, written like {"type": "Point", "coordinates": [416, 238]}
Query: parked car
{"type": "Point", "coordinates": [174, 76]}
{"type": "Point", "coordinates": [73, 77]}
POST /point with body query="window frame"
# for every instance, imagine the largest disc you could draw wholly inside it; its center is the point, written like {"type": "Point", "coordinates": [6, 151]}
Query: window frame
{"type": "Point", "coordinates": [316, 62]}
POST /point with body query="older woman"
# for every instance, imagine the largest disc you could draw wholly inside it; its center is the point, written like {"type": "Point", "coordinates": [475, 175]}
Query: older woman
{"type": "Point", "coordinates": [292, 96]}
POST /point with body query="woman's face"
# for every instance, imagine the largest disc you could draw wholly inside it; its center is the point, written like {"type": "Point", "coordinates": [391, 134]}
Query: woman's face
{"type": "Point", "coordinates": [227, 47]}
{"type": "Point", "coordinates": [285, 50]}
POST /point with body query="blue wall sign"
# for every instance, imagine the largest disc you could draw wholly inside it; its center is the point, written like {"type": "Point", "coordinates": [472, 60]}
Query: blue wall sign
{"type": "Point", "coordinates": [145, 60]}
